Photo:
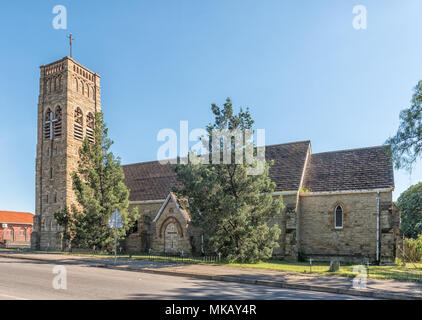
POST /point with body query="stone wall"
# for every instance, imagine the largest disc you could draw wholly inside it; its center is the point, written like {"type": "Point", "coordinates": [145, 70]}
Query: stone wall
{"type": "Point", "coordinates": [150, 234]}
{"type": "Point", "coordinates": [286, 221]}
{"type": "Point", "coordinates": [141, 240]}
{"type": "Point", "coordinates": [175, 240]}
{"type": "Point", "coordinates": [357, 239]}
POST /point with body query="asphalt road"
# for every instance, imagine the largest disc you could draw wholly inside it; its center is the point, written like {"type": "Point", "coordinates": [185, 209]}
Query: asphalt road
{"type": "Point", "coordinates": [24, 279]}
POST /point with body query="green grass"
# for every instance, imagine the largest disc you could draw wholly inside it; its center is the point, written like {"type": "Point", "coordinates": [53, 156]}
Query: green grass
{"type": "Point", "coordinates": [410, 272]}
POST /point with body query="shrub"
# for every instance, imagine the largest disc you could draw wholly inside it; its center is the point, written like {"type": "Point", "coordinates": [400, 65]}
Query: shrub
{"type": "Point", "coordinates": [413, 249]}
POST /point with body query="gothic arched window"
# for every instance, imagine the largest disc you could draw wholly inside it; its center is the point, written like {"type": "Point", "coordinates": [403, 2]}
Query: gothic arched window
{"type": "Point", "coordinates": [338, 217]}
{"type": "Point", "coordinates": [58, 122]}
{"type": "Point", "coordinates": [90, 122]}
{"type": "Point", "coordinates": [47, 124]}
{"type": "Point", "coordinates": [78, 131]}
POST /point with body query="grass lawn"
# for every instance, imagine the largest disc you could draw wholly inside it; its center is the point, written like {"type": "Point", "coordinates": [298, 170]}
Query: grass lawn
{"type": "Point", "coordinates": [410, 272]}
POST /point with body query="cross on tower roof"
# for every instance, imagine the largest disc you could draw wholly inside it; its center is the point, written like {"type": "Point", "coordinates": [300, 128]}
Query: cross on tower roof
{"type": "Point", "coordinates": [70, 42]}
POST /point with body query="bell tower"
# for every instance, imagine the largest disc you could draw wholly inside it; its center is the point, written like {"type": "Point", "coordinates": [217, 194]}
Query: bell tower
{"type": "Point", "coordinates": [68, 99]}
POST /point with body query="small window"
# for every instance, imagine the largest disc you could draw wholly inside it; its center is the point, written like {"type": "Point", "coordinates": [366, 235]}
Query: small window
{"type": "Point", "coordinates": [338, 217]}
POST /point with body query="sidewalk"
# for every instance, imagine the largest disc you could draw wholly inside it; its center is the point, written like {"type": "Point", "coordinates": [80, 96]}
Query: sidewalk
{"type": "Point", "coordinates": [382, 289]}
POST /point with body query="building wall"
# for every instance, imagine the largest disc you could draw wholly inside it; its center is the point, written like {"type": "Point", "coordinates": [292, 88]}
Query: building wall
{"type": "Point", "coordinates": [286, 221]}
{"type": "Point", "coordinates": [141, 240]}
{"type": "Point", "coordinates": [306, 229]}
{"type": "Point", "coordinates": [357, 239]}
{"type": "Point", "coordinates": [15, 234]}
{"type": "Point", "coordinates": [68, 85]}
{"type": "Point", "coordinates": [171, 216]}
{"type": "Point", "coordinates": [148, 237]}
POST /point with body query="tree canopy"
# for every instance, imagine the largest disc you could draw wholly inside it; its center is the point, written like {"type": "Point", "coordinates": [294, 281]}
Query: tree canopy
{"type": "Point", "coordinates": [406, 145]}
{"type": "Point", "coordinates": [230, 206]}
{"type": "Point", "coordinates": [410, 204]}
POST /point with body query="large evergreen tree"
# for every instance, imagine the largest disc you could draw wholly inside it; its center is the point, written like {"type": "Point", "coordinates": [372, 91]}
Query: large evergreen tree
{"type": "Point", "coordinates": [407, 143]}
{"type": "Point", "coordinates": [99, 188]}
{"type": "Point", "coordinates": [410, 204]}
{"type": "Point", "coordinates": [231, 207]}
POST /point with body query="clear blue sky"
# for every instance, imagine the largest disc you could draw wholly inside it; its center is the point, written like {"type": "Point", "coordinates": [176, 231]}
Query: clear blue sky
{"type": "Point", "coordinates": [300, 66]}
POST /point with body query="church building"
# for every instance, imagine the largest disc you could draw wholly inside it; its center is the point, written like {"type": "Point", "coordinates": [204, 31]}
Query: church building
{"type": "Point", "coordinates": [337, 204]}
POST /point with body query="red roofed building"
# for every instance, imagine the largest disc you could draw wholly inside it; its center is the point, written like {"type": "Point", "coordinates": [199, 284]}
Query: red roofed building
{"type": "Point", "coordinates": [15, 229]}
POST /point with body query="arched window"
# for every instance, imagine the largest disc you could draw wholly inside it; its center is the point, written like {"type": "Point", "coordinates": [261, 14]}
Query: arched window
{"type": "Point", "coordinates": [78, 131]}
{"type": "Point", "coordinates": [338, 217]}
{"type": "Point", "coordinates": [47, 124]}
{"type": "Point", "coordinates": [58, 123]}
{"type": "Point", "coordinates": [90, 121]}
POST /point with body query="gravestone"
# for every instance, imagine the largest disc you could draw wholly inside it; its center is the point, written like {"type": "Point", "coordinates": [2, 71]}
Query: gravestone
{"type": "Point", "coordinates": [334, 265]}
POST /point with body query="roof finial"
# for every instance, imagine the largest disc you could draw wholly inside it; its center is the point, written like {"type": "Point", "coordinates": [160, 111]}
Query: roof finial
{"type": "Point", "coordinates": [70, 42]}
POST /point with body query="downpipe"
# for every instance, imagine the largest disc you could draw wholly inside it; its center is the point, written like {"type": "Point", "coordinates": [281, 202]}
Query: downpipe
{"type": "Point", "coordinates": [378, 227]}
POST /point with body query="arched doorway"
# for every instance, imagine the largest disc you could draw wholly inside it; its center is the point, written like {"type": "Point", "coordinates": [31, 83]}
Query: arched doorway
{"type": "Point", "coordinates": [171, 238]}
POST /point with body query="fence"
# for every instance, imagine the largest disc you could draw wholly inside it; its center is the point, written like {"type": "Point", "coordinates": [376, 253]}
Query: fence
{"type": "Point", "coordinates": [179, 258]}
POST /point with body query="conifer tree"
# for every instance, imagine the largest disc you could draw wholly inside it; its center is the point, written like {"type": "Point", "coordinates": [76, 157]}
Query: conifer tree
{"type": "Point", "coordinates": [99, 189]}
{"type": "Point", "coordinates": [231, 208]}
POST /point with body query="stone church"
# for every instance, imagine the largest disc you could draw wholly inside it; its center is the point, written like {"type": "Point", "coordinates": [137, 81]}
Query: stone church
{"type": "Point", "coordinates": [337, 204]}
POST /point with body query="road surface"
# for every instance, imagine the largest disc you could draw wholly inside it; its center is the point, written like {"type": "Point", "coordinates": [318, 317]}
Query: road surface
{"type": "Point", "coordinates": [25, 279]}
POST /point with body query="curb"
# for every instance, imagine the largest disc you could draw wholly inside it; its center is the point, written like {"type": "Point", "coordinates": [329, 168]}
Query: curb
{"type": "Point", "coordinates": [269, 283]}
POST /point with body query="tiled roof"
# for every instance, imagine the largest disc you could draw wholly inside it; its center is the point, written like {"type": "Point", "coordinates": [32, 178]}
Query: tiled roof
{"type": "Point", "coordinates": [149, 180]}
{"type": "Point", "coordinates": [356, 169]}
{"type": "Point", "coordinates": [153, 181]}
{"type": "Point", "coordinates": [16, 217]}
{"type": "Point", "coordinates": [367, 168]}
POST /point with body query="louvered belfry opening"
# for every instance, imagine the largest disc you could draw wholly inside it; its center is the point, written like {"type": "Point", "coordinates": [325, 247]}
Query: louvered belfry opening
{"type": "Point", "coordinates": [90, 122]}
{"type": "Point", "coordinates": [78, 127]}
{"type": "Point", "coordinates": [58, 123]}
{"type": "Point", "coordinates": [47, 127]}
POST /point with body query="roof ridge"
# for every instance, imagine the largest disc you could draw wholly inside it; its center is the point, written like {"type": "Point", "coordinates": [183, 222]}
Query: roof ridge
{"type": "Point", "coordinates": [287, 143]}
{"type": "Point", "coordinates": [270, 145]}
{"type": "Point", "coordinates": [5, 211]}
{"type": "Point", "coordinates": [353, 149]}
